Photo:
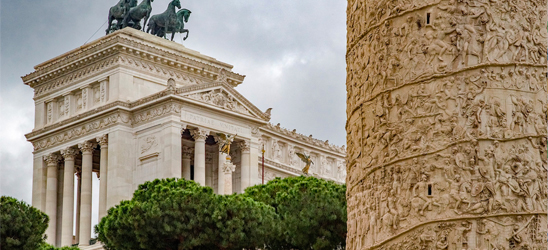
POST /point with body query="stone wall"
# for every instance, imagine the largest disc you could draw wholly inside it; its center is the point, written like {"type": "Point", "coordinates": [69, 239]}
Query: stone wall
{"type": "Point", "coordinates": [447, 124]}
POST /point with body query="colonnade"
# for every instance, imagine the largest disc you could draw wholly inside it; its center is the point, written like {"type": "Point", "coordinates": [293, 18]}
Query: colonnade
{"type": "Point", "coordinates": [67, 158]}
{"type": "Point", "coordinates": [60, 209]}
{"type": "Point", "coordinates": [199, 152]}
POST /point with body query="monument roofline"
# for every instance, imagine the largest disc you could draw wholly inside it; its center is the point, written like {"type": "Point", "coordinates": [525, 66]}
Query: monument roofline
{"type": "Point", "coordinates": [303, 139]}
{"type": "Point", "coordinates": [135, 43]}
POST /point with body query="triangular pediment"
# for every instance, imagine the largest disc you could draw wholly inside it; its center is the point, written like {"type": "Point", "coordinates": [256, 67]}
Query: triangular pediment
{"type": "Point", "coordinates": [222, 96]}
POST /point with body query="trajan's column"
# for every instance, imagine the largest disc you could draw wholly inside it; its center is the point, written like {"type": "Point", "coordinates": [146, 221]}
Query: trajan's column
{"type": "Point", "coordinates": [447, 124]}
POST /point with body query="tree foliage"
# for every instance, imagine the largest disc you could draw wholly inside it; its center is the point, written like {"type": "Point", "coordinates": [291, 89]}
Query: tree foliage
{"type": "Point", "coordinates": [312, 212]}
{"type": "Point", "coordinates": [180, 214]}
{"type": "Point", "coordinates": [21, 225]}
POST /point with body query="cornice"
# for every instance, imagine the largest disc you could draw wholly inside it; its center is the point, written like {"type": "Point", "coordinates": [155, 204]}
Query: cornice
{"type": "Point", "coordinates": [75, 64]}
{"type": "Point", "coordinates": [306, 140]}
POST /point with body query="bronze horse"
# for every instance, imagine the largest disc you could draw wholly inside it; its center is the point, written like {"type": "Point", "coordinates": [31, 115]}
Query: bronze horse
{"type": "Point", "coordinates": [136, 14]}
{"type": "Point", "coordinates": [117, 12]}
{"type": "Point", "coordinates": [182, 18]}
{"type": "Point", "coordinates": [164, 20]}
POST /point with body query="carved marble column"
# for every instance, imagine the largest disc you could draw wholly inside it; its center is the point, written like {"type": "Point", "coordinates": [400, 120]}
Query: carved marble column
{"type": "Point", "coordinates": [68, 196]}
{"type": "Point", "coordinates": [446, 124]}
{"type": "Point", "coordinates": [228, 168]}
{"type": "Point", "coordinates": [220, 173]}
{"type": "Point", "coordinates": [245, 165]}
{"type": "Point", "coordinates": [85, 206]}
{"type": "Point", "coordinates": [52, 161]}
{"type": "Point", "coordinates": [199, 136]}
{"type": "Point", "coordinates": [103, 173]}
{"type": "Point", "coordinates": [78, 202]}
{"type": "Point", "coordinates": [187, 154]}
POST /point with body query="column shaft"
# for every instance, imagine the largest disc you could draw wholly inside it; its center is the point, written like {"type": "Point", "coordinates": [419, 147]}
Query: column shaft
{"type": "Point", "coordinates": [220, 173]}
{"type": "Point", "coordinates": [199, 136]}
{"type": "Point", "coordinates": [199, 162]}
{"type": "Point", "coordinates": [68, 197]}
{"type": "Point", "coordinates": [85, 206]}
{"type": "Point", "coordinates": [51, 197]}
{"type": "Point", "coordinates": [245, 165]}
{"type": "Point", "coordinates": [103, 173]}
{"type": "Point", "coordinates": [78, 204]}
{"type": "Point", "coordinates": [187, 153]}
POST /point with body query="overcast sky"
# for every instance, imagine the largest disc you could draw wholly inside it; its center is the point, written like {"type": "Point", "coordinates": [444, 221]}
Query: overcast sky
{"type": "Point", "coordinates": [292, 52]}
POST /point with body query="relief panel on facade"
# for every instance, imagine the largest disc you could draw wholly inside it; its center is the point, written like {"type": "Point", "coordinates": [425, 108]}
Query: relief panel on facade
{"type": "Point", "coordinates": [447, 117]}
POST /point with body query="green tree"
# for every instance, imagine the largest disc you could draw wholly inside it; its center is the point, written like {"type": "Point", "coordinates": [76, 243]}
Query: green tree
{"type": "Point", "coordinates": [21, 225]}
{"type": "Point", "coordinates": [312, 212]}
{"type": "Point", "coordinates": [180, 214]}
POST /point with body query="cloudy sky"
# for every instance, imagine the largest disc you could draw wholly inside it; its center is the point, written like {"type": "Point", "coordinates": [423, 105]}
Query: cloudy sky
{"type": "Point", "coordinates": [292, 52]}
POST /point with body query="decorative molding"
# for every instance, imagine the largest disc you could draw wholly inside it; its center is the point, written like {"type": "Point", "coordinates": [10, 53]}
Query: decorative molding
{"type": "Point", "coordinates": [162, 110]}
{"type": "Point", "coordinates": [303, 138]}
{"type": "Point", "coordinates": [80, 130]}
{"type": "Point", "coordinates": [252, 109]}
{"type": "Point", "coordinates": [219, 98]}
{"type": "Point", "coordinates": [149, 156]}
{"type": "Point", "coordinates": [107, 51]}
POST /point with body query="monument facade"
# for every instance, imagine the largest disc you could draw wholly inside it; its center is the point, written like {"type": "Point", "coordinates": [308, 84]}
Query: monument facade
{"type": "Point", "coordinates": [447, 124]}
{"type": "Point", "coordinates": [132, 107]}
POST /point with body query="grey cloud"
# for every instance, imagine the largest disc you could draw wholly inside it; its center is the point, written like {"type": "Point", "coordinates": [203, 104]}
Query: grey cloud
{"type": "Point", "coordinates": [293, 53]}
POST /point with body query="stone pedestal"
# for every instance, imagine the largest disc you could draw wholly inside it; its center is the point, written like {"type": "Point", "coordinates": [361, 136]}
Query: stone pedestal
{"type": "Point", "coordinates": [228, 169]}
{"type": "Point", "coordinates": [446, 124]}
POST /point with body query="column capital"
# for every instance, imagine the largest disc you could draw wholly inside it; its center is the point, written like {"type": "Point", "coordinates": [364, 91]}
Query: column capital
{"type": "Point", "coordinates": [52, 159]}
{"type": "Point", "coordinates": [228, 167]}
{"type": "Point", "coordinates": [183, 127]}
{"type": "Point", "coordinates": [244, 146]}
{"type": "Point", "coordinates": [87, 147]}
{"type": "Point", "coordinates": [187, 152]}
{"type": "Point", "coordinates": [199, 134]}
{"type": "Point", "coordinates": [103, 140]}
{"type": "Point", "coordinates": [69, 153]}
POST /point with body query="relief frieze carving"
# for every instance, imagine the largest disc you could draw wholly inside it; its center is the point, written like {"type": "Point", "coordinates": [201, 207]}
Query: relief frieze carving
{"type": "Point", "coordinates": [220, 98]}
{"type": "Point", "coordinates": [82, 130]}
{"type": "Point", "coordinates": [447, 124]}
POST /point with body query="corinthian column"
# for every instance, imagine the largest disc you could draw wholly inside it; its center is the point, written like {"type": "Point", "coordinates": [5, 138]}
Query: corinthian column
{"type": "Point", "coordinates": [187, 154]}
{"type": "Point", "coordinates": [245, 165]}
{"type": "Point", "coordinates": [199, 136]}
{"type": "Point", "coordinates": [68, 196]}
{"type": "Point", "coordinates": [52, 161]}
{"type": "Point", "coordinates": [103, 173]}
{"type": "Point", "coordinates": [85, 206]}
{"type": "Point", "coordinates": [446, 124]}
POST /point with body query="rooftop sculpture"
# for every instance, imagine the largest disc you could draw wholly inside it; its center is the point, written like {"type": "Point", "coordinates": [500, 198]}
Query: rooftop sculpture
{"type": "Point", "coordinates": [126, 13]}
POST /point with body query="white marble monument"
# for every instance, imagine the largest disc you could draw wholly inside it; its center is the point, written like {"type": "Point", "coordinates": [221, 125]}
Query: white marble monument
{"type": "Point", "coordinates": [131, 107]}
